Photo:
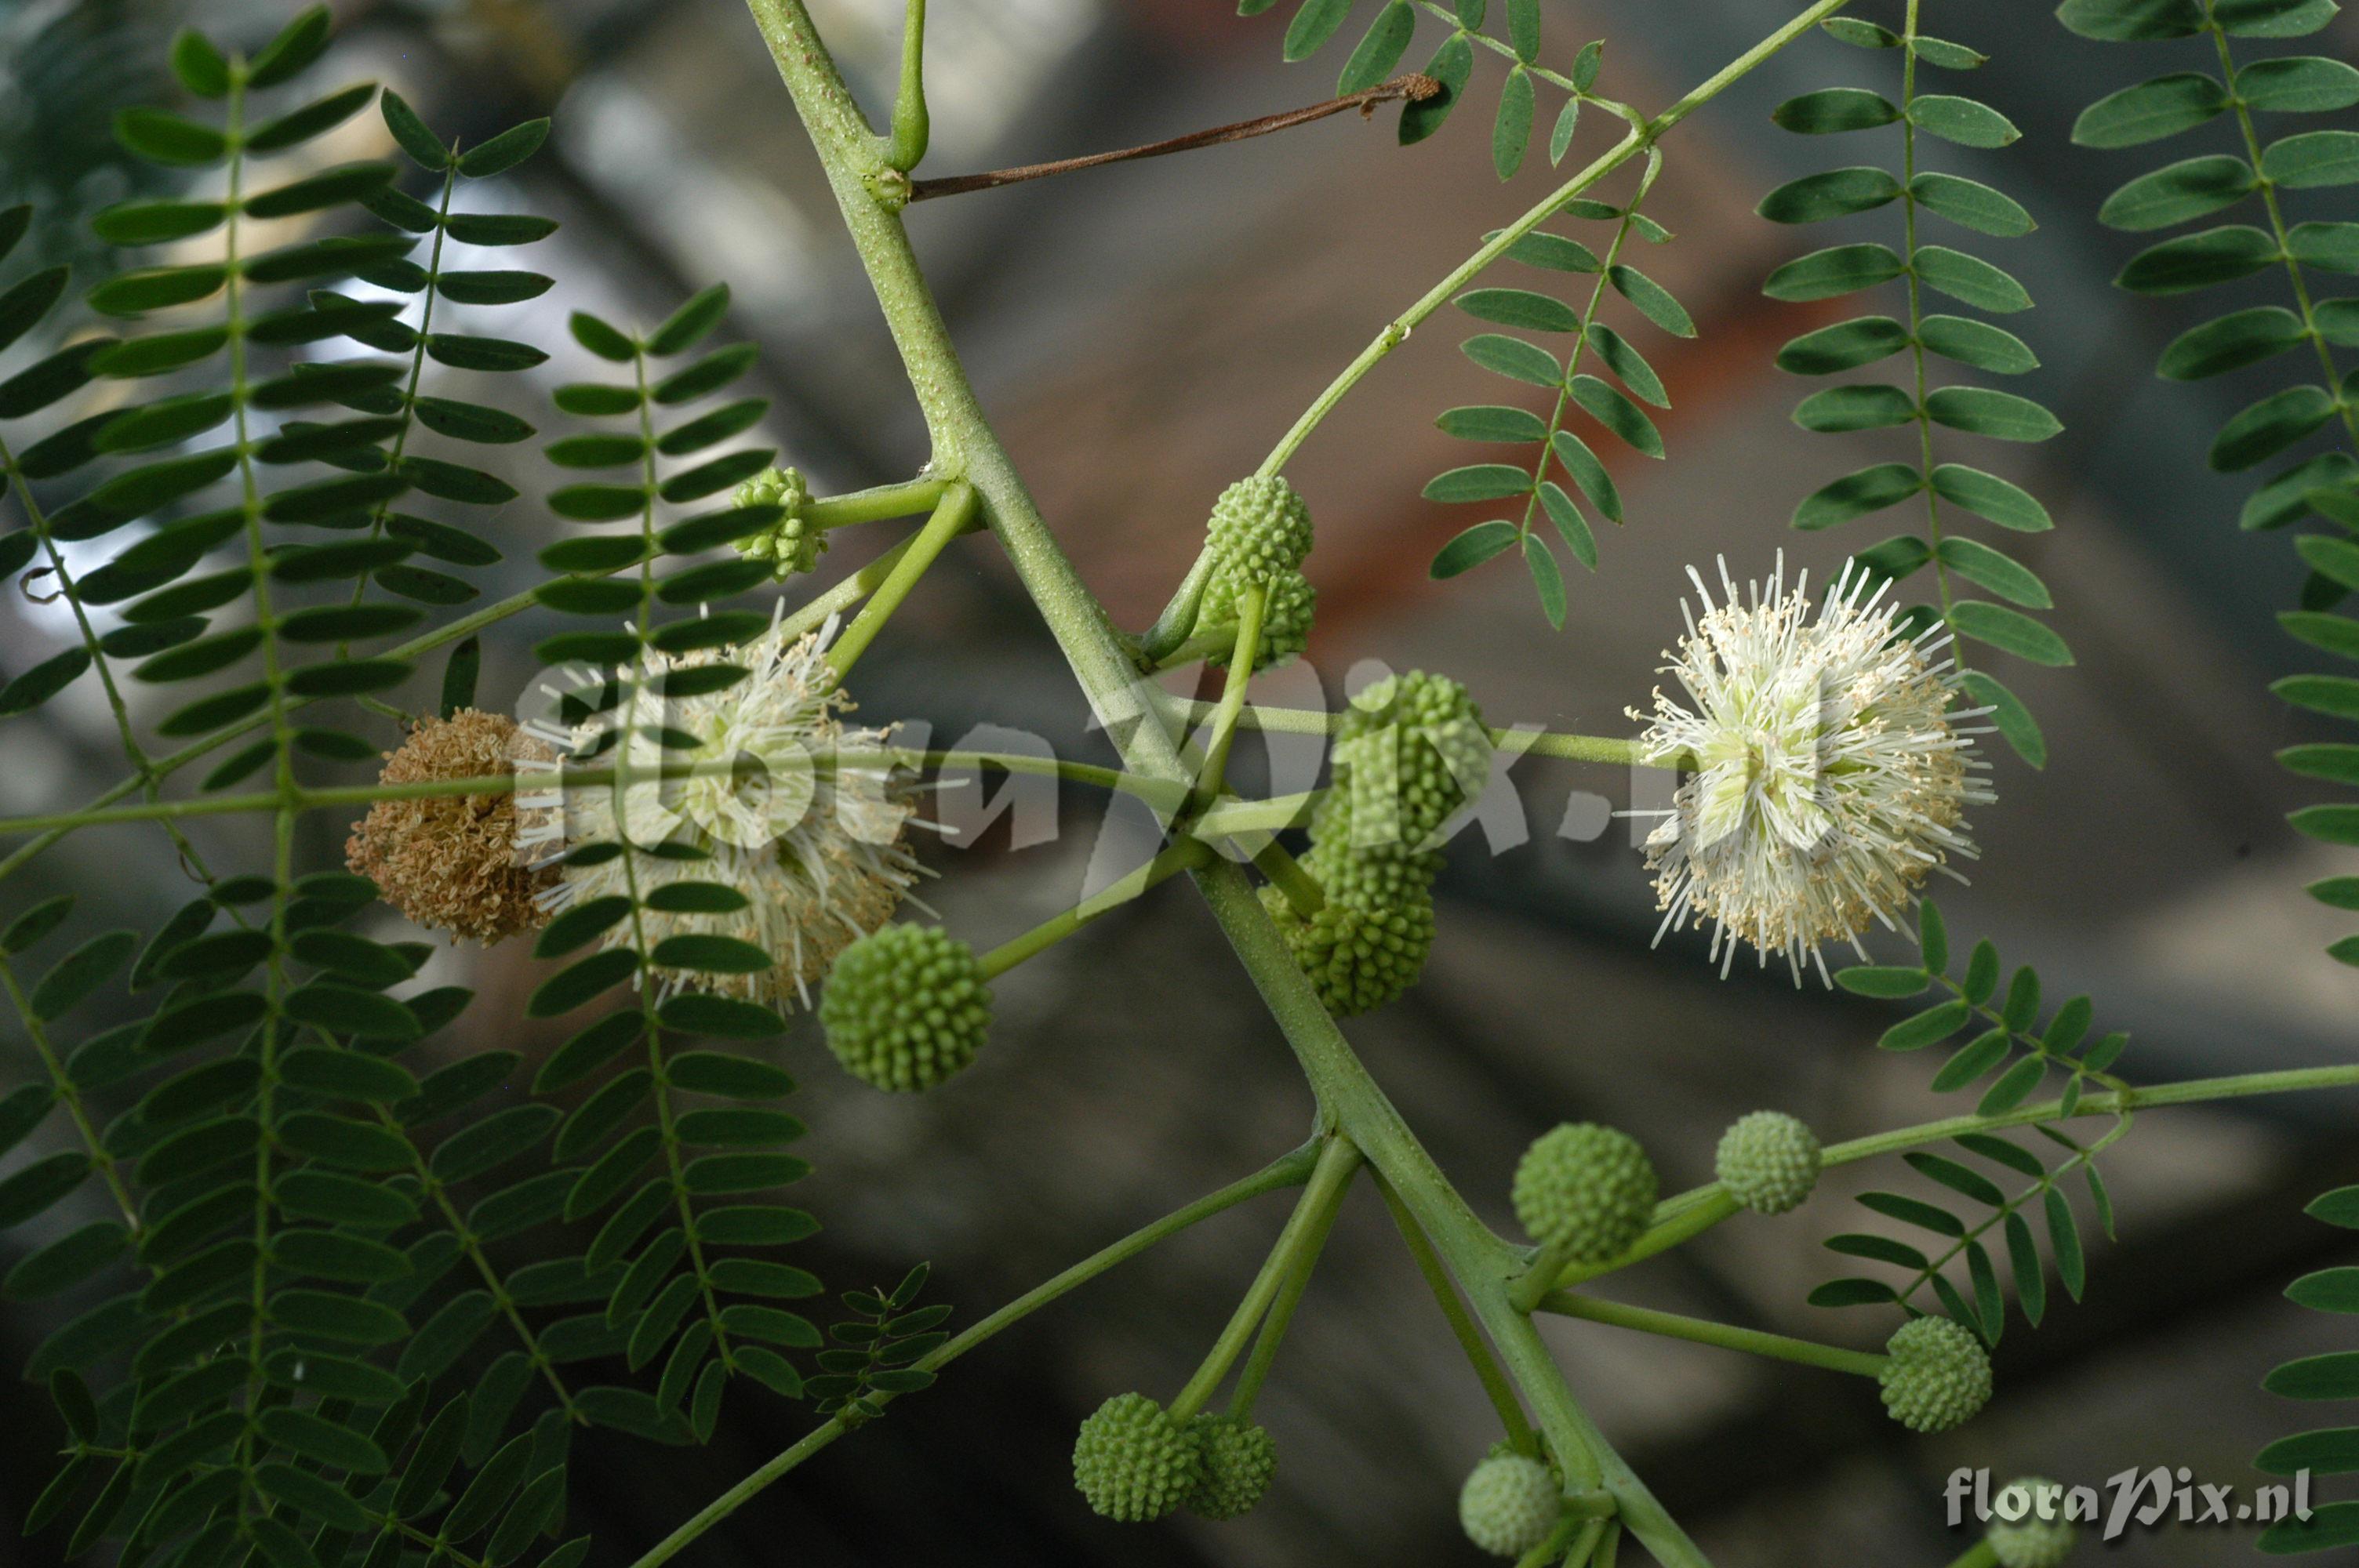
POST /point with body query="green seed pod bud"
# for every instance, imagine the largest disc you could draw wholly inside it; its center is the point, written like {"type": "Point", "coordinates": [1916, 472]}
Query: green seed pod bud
{"type": "Point", "coordinates": [1410, 751]}
{"type": "Point", "coordinates": [1132, 1462]}
{"type": "Point", "coordinates": [791, 544]}
{"type": "Point", "coordinates": [1358, 955]}
{"type": "Point", "coordinates": [1768, 1161]}
{"type": "Point", "coordinates": [1938, 1377]}
{"type": "Point", "coordinates": [1587, 1189]}
{"type": "Point", "coordinates": [1239, 1459]}
{"type": "Point", "coordinates": [2041, 1538]}
{"type": "Point", "coordinates": [1260, 529]}
{"type": "Point", "coordinates": [1285, 621]}
{"type": "Point", "coordinates": [906, 1006]}
{"type": "Point", "coordinates": [1509, 1504]}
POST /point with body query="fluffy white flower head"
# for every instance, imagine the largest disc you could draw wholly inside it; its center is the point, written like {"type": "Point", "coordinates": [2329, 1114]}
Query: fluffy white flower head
{"type": "Point", "coordinates": [793, 809]}
{"type": "Point", "coordinates": [1831, 776]}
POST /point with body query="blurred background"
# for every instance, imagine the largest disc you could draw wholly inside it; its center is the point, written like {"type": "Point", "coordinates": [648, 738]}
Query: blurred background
{"type": "Point", "coordinates": [1142, 334]}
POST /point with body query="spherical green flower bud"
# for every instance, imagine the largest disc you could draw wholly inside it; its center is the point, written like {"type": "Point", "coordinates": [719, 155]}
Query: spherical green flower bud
{"type": "Point", "coordinates": [906, 1006]}
{"type": "Point", "coordinates": [1587, 1189]}
{"type": "Point", "coordinates": [1239, 1459]}
{"type": "Point", "coordinates": [1285, 621]}
{"type": "Point", "coordinates": [1768, 1161]}
{"type": "Point", "coordinates": [2041, 1538]}
{"type": "Point", "coordinates": [1938, 1377]}
{"type": "Point", "coordinates": [1358, 956]}
{"type": "Point", "coordinates": [1132, 1462]}
{"type": "Point", "coordinates": [791, 544]}
{"type": "Point", "coordinates": [1260, 529]}
{"type": "Point", "coordinates": [1509, 1504]}
{"type": "Point", "coordinates": [1409, 752]}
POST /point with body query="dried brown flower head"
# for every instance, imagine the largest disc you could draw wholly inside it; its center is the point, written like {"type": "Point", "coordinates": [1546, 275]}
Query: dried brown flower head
{"type": "Point", "coordinates": [449, 862]}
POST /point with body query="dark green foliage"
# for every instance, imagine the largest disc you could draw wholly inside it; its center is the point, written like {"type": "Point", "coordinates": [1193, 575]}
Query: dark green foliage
{"type": "Point", "coordinates": [2330, 1376]}
{"type": "Point", "coordinates": [1529, 488]}
{"type": "Point", "coordinates": [1924, 337]}
{"type": "Point", "coordinates": [2321, 489]}
{"type": "Point", "coordinates": [2009, 1059]}
{"type": "Point", "coordinates": [282, 1358]}
{"type": "Point", "coordinates": [874, 1352]}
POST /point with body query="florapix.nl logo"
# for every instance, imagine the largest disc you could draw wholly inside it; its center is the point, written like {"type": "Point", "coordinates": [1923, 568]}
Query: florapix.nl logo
{"type": "Point", "coordinates": [2144, 1499]}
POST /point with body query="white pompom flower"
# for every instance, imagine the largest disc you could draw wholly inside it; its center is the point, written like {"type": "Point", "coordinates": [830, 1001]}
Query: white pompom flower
{"type": "Point", "coordinates": [795, 811]}
{"type": "Point", "coordinates": [1832, 775]}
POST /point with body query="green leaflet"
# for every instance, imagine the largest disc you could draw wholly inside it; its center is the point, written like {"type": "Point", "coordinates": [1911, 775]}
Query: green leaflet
{"type": "Point", "coordinates": [2174, 195]}
{"type": "Point", "coordinates": [2151, 111]}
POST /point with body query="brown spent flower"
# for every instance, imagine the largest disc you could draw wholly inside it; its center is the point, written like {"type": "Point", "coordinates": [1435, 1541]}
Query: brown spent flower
{"type": "Point", "coordinates": [449, 862]}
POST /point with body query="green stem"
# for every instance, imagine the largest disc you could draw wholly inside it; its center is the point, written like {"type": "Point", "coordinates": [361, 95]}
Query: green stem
{"type": "Point", "coordinates": [1981, 1555]}
{"type": "Point", "coordinates": [1337, 1160]}
{"type": "Point", "coordinates": [1198, 645]}
{"type": "Point", "coordinates": [1186, 855]}
{"type": "Point", "coordinates": [472, 1246]}
{"type": "Point", "coordinates": [880, 504]}
{"type": "Point", "coordinates": [651, 1020]}
{"type": "Point", "coordinates": [949, 521]}
{"type": "Point", "coordinates": [1536, 1280]}
{"type": "Point", "coordinates": [1563, 402]}
{"type": "Point", "coordinates": [1924, 421]}
{"type": "Point", "coordinates": [1461, 1327]}
{"type": "Point", "coordinates": [907, 146]}
{"type": "Point", "coordinates": [1672, 1326]}
{"type": "Point", "coordinates": [1515, 743]}
{"type": "Point", "coordinates": [1552, 1551]}
{"type": "Point", "coordinates": [1315, 1231]}
{"type": "Point", "coordinates": [1251, 606]}
{"type": "Point", "coordinates": [384, 509]}
{"type": "Point", "coordinates": [1500, 47]}
{"type": "Point", "coordinates": [1685, 1215]}
{"type": "Point", "coordinates": [1667, 1232]}
{"type": "Point", "coordinates": [1162, 793]}
{"type": "Point", "coordinates": [1303, 894]}
{"type": "Point", "coordinates": [1230, 819]}
{"type": "Point", "coordinates": [1397, 331]}
{"type": "Point", "coordinates": [1289, 1171]}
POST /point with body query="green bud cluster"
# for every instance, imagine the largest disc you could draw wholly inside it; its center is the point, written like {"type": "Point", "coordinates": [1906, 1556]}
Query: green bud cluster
{"type": "Point", "coordinates": [1586, 1190]}
{"type": "Point", "coordinates": [906, 1006]}
{"type": "Point", "coordinates": [1132, 1462]}
{"type": "Point", "coordinates": [1369, 943]}
{"type": "Point", "coordinates": [1259, 533]}
{"type": "Point", "coordinates": [2032, 1541]}
{"type": "Point", "coordinates": [1407, 753]}
{"type": "Point", "coordinates": [1358, 956]}
{"type": "Point", "coordinates": [1260, 529]}
{"type": "Point", "coordinates": [1509, 1504]}
{"type": "Point", "coordinates": [1938, 1376]}
{"type": "Point", "coordinates": [1768, 1161]}
{"type": "Point", "coordinates": [1239, 1460]}
{"type": "Point", "coordinates": [791, 544]}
